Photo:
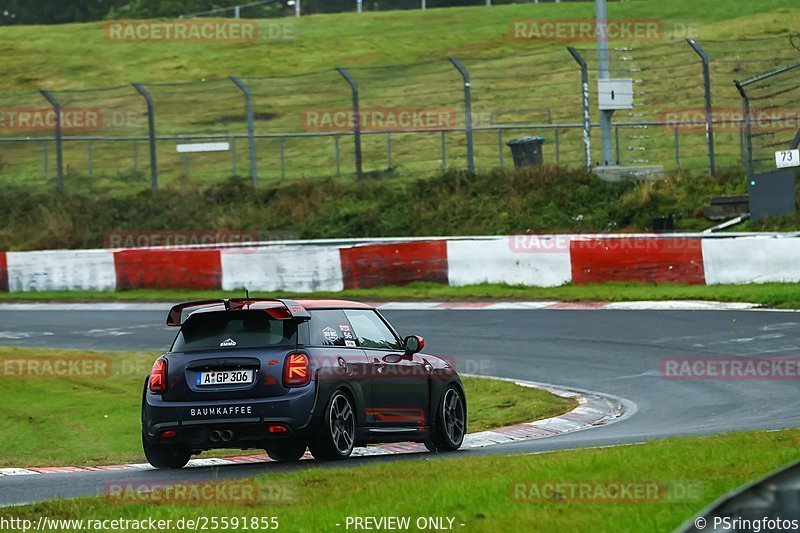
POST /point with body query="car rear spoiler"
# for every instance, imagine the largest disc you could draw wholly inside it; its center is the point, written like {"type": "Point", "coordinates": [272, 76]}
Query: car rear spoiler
{"type": "Point", "coordinates": [294, 309]}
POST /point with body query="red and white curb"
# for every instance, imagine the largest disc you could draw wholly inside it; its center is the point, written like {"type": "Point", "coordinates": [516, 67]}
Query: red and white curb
{"type": "Point", "coordinates": [593, 410]}
{"type": "Point", "coordinates": [670, 305]}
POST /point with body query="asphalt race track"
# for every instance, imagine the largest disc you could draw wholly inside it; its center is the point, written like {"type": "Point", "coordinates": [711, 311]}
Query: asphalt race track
{"type": "Point", "coordinates": [609, 351]}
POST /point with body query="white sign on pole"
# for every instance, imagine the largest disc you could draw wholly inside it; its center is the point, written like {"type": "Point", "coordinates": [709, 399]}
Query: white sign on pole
{"type": "Point", "coordinates": [787, 158]}
{"type": "Point", "coordinates": [203, 147]}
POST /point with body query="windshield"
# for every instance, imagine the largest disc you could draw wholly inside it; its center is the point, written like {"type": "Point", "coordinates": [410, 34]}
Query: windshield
{"type": "Point", "coordinates": [233, 329]}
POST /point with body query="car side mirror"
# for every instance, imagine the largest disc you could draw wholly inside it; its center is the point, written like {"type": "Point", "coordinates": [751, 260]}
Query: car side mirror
{"type": "Point", "coordinates": [414, 344]}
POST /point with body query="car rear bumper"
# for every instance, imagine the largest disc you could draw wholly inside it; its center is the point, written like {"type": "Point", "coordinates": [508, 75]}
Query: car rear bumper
{"type": "Point", "coordinates": [249, 421]}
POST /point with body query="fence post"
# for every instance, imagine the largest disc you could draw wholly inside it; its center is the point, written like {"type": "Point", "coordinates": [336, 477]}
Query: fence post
{"type": "Point", "coordinates": [356, 118]}
{"type": "Point", "coordinates": [587, 123]}
{"type": "Point", "coordinates": [467, 111]}
{"type": "Point", "coordinates": [747, 130]}
{"type": "Point", "coordinates": [151, 132]}
{"type": "Point", "coordinates": [712, 165]}
{"type": "Point", "coordinates": [59, 149]}
{"type": "Point", "coordinates": [251, 136]}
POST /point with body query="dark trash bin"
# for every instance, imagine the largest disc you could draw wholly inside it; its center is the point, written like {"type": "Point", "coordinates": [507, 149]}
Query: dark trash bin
{"type": "Point", "coordinates": [527, 151]}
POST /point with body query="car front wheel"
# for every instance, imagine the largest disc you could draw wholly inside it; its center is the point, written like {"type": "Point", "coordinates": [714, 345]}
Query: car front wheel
{"type": "Point", "coordinates": [451, 422]}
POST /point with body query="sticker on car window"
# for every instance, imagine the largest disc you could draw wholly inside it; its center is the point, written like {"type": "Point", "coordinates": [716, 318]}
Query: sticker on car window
{"type": "Point", "coordinates": [330, 334]}
{"type": "Point", "coordinates": [228, 342]}
{"type": "Point", "coordinates": [350, 343]}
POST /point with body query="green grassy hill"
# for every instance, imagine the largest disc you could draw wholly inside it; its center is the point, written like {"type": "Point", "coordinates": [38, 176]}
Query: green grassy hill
{"type": "Point", "coordinates": [290, 78]}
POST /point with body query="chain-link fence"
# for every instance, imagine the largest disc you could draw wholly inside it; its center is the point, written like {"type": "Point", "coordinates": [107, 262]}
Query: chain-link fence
{"type": "Point", "coordinates": [397, 121]}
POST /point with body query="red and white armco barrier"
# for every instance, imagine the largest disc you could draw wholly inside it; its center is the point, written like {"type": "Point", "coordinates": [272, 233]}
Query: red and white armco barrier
{"type": "Point", "coordinates": [305, 266]}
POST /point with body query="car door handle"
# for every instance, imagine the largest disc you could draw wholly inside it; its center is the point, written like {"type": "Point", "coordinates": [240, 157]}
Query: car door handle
{"type": "Point", "coordinates": [379, 366]}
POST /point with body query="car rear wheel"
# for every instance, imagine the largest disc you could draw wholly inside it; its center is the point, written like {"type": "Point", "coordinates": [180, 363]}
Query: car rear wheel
{"type": "Point", "coordinates": [451, 423]}
{"type": "Point", "coordinates": [165, 456]}
{"type": "Point", "coordinates": [286, 452]}
{"type": "Point", "coordinates": [337, 435]}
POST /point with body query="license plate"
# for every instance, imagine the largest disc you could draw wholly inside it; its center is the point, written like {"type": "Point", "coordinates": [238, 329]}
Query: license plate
{"type": "Point", "coordinates": [225, 377]}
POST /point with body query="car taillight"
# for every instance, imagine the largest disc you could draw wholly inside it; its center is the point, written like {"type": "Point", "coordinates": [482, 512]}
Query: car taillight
{"type": "Point", "coordinates": [158, 377]}
{"type": "Point", "coordinates": [295, 370]}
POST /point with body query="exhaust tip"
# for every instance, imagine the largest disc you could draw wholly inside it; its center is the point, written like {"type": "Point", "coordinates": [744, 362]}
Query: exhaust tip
{"type": "Point", "coordinates": [214, 436]}
{"type": "Point", "coordinates": [226, 435]}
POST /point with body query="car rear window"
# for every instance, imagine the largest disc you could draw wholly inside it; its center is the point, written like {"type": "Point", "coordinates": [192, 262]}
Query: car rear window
{"type": "Point", "coordinates": [233, 329]}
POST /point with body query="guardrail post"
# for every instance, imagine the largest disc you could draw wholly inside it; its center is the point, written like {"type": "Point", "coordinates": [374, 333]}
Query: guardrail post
{"type": "Point", "coordinates": [712, 165]}
{"type": "Point", "coordinates": [587, 123]}
{"type": "Point", "coordinates": [151, 132]}
{"type": "Point", "coordinates": [251, 136]}
{"type": "Point", "coordinates": [467, 112]}
{"type": "Point", "coordinates": [356, 118]}
{"type": "Point", "coordinates": [747, 128]}
{"type": "Point", "coordinates": [59, 149]}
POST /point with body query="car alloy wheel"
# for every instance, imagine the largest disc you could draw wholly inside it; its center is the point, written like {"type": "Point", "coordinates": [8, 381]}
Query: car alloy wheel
{"type": "Point", "coordinates": [342, 424]}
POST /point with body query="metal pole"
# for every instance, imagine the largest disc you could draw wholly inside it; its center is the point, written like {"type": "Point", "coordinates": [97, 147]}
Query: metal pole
{"type": "Point", "coordinates": [236, 10]}
{"type": "Point", "coordinates": [467, 111]}
{"type": "Point", "coordinates": [444, 152]}
{"type": "Point", "coordinates": [251, 137]}
{"type": "Point", "coordinates": [587, 122]}
{"type": "Point", "coordinates": [601, 16]}
{"type": "Point", "coordinates": [296, 8]}
{"type": "Point", "coordinates": [336, 151]}
{"type": "Point", "coordinates": [712, 165]}
{"type": "Point", "coordinates": [233, 155]}
{"type": "Point", "coordinates": [500, 146]}
{"type": "Point", "coordinates": [747, 129]}
{"type": "Point", "coordinates": [424, 5]}
{"type": "Point", "coordinates": [59, 148]}
{"type": "Point", "coordinates": [389, 149]}
{"type": "Point", "coordinates": [151, 127]}
{"type": "Point", "coordinates": [356, 118]}
{"type": "Point", "coordinates": [283, 158]}
{"type": "Point", "coordinates": [558, 155]}
{"type": "Point", "coordinates": [359, 6]}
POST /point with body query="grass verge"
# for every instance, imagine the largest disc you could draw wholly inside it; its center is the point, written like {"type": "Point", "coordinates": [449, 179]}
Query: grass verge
{"type": "Point", "coordinates": [94, 418]}
{"type": "Point", "coordinates": [479, 491]}
{"type": "Point", "coordinates": [778, 295]}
